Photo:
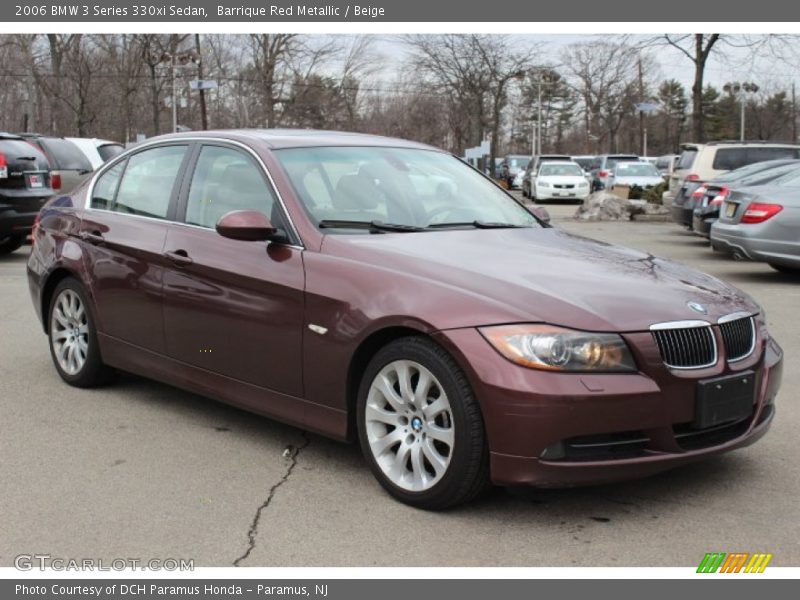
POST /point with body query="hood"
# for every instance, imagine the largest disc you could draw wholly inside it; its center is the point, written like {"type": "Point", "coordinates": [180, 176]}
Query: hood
{"type": "Point", "coordinates": [543, 275]}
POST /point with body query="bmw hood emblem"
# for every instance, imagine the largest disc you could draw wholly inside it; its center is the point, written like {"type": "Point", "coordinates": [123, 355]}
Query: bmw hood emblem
{"type": "Point", "coordinates": [697, 307]}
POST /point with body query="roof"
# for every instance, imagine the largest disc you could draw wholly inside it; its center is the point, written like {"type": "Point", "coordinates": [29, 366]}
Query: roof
{"type": "Point", "coordinates": [299, 138]}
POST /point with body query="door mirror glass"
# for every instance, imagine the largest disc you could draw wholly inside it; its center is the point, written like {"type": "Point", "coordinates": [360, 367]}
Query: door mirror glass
{"type": "Point", "coordinates": [246, 225]}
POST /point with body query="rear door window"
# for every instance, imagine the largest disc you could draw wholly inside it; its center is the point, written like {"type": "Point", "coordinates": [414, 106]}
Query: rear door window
{"type": "Point", "coordinates": [728, 159]}
{"type": "Point", "coordinates": [147, 184]}
{"type": "Point", "coordinates": [756, 155]}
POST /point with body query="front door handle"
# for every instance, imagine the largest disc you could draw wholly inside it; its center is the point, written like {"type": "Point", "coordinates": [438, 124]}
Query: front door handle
{"type": "Point", "coordinates": [93, 237]}
{"type": "Point", "coordinates": [179, 257]}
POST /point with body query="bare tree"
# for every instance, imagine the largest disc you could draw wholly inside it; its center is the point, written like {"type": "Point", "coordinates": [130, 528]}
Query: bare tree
{"type": "Point", "coordinates": [473, 72]}
{"type": "Point", "coordinates": [271, 52]}
{"type": "Point", "coordinates": [605, 75]}
{"type": "Point", "coordinates": [697, 48]}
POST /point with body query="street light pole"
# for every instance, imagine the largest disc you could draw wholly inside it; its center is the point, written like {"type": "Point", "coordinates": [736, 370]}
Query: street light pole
{"type": "Point", "coordinates": [741, 91]}
{"type": "Point", "coordinates": [741, 121]}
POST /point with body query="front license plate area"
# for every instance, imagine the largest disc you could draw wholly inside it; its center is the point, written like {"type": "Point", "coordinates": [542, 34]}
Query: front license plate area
{"type": "Point", "coordinates": [725, 399]}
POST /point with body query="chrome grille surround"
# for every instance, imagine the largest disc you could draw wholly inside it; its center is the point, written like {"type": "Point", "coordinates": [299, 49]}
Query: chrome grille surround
{"type": "Point", "coordinates": [686, 344]}
{"type": "Point", "coordinates": [692, 344]}
{"type": "Point", "coordinates": [738, 334]}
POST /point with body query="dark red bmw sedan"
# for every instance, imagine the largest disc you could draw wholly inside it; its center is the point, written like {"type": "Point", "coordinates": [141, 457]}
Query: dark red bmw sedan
{"type": "Point", "coordinates": [381, 290]}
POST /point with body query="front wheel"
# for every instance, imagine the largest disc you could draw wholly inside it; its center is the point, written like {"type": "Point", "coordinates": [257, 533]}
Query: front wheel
{"type": "Point", "coordinates": [73, 338]}
{"type": "Point", "coordinates": [420, 426]}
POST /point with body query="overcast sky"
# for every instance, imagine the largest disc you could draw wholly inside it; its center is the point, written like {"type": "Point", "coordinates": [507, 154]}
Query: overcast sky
{"type": "Point", "coordinates": [729, 64]}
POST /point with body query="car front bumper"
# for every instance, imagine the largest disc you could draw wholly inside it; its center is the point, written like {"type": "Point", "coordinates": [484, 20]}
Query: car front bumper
{"type": "Point", "coordinates": [528, 412]}
{"type": "Point", "coordinates": [561, 194]}
{"type": "Point", "coordinates": [755, 241]}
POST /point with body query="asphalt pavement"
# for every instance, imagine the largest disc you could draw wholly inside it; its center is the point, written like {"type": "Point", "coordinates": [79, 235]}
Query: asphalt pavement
{"type": "Point", "coordinates": [143, 470]}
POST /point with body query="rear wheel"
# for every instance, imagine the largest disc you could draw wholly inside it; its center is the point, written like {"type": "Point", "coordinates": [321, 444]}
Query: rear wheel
{"type": "Point", "coordinates": [11, 243]}
{"type": "Point", "coordinates": [73, 338]}
{"type": "Point", "coordinates": [786, 270]}
{"type": "Point", "coordinates": [420, 426]}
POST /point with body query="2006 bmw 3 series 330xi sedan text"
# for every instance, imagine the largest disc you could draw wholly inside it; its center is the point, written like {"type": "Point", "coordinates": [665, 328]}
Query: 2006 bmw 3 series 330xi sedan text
{"type": "Point", "coordinates": [381, 290]}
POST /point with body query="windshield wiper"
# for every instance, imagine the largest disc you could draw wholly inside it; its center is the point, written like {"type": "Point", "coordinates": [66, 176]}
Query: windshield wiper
{"type": "Point", "coordinates": [373, 226]}
{"type": "Point", "coordinates": [477, 225]}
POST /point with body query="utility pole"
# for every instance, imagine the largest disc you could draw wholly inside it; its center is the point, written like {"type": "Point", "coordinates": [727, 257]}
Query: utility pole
{"type": "Point", "coordinates": [203, 111]}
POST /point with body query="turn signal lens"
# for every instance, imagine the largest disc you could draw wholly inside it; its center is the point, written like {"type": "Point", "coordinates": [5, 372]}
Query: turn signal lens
{"type": "Point", "coordinates": [758, 212]}
{"type": "Point", "coordinates": [558, 349]}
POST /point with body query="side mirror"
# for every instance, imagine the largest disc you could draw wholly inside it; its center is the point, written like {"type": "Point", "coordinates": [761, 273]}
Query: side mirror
{"type": "Point", "coordinates": [246, 225]}
{"type": "Point", "coordinates": [540, 212]}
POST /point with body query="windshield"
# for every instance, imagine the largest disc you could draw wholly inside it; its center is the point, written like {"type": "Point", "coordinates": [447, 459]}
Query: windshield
{"type": "Point", "coordinates": [400, 186]}
{"type": "Point", "coordinates": [642, 169]}
{"type": "Point", "coordinates": [560, 170]}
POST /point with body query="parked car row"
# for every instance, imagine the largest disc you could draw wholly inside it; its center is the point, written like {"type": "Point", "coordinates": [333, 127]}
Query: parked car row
{"type": "Point", "coordinates": [34, 167]}
{"type": "Point", "coordinates": [744, 197]}
{"type": "Point", "coordinates": [601, 172]}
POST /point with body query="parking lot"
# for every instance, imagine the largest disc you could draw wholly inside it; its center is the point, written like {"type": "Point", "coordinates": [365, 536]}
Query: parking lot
{"type": "Point", "coordinates": [143, 470]}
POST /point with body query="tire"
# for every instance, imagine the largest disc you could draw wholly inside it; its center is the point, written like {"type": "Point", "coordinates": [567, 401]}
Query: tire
{"type": "Point", "coordinates": [786, 270]}
{"type": "Point", "coordinates": [70, 324]}
{"type": "Point", "coordinates": [406, 445]}
{"type": "Point", "coordinates": [11, 243]}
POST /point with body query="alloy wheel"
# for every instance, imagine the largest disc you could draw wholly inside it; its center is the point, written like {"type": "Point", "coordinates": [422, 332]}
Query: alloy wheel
{"type": "Point", "coordinates": [409, 425]}
{"type": "Point", "coordinates": [69, 332]}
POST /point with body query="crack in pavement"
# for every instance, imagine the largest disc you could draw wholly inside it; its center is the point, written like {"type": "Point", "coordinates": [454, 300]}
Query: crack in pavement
{"type": "Point", "coordinates": [253, 531]}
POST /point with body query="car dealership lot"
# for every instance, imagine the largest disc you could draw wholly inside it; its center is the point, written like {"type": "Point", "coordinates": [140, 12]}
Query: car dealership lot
{"type": "Point", "coordinates": [143, 470]}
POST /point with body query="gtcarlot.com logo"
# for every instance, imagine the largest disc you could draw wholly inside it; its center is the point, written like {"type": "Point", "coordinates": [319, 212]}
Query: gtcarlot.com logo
{"type": "Point", "coordinates": [29, 562]}
{"type": "Point", "coordinates": [735, 562]}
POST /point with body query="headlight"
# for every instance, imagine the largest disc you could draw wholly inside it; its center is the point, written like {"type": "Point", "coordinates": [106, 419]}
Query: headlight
{"type": "Point", "coordinates": [583, 184]}
{"type": "Point", "coordinates": [557, 349]}
{"type": "Point", "coordinates": [542, 184]}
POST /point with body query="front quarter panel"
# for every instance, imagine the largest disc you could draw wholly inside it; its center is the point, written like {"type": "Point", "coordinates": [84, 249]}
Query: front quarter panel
{"type": "Point", "coordinates": [352, 300]}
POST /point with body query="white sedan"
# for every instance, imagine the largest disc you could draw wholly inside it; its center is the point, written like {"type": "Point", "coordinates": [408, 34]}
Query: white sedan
{"type": "Point", "coordinates": [560, 181]}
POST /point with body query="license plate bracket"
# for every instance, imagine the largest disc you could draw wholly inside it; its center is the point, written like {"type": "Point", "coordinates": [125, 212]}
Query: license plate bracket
{"type": "Point", "coordinates": [724, 399]}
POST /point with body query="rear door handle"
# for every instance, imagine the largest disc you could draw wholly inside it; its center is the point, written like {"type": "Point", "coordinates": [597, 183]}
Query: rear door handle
{"type": "Point", "coordinates": [92, 237]}
{"type": "Point", "coordinates": [179, 257]}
